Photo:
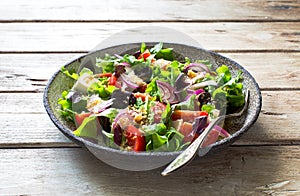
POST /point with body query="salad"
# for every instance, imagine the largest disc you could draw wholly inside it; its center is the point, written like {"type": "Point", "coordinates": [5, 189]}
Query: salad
{"type": "Point", "coordinates": [149, 101]}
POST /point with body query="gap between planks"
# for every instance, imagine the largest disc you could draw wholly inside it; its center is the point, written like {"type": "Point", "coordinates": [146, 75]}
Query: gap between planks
{"type": "Point", "coordinates": [42, 90]}
{"type": "Point", "coordinates": [218, 51]}
{"type": "Point", "coordinates": [154, 21]}
{"type": "Point", "coordinates": [73, 145]}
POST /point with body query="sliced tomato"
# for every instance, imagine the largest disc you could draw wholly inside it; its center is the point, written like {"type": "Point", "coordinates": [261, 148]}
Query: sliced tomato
{"type": "Point", "coordinates": [112, 80]}
{"type": "Point", "coordinates": [80, 117]}
{"type": "Point", "coordinates": [135, 139]}
{"type": "Point", "coordinates": [144, 55]}
{"type": "Point", "coordinates": [187, 115]}
{"type": "Point", "coordinates": [142, 96]}
{"type": "Point", "coordinates": [187, 130]}
{"type": "Point", "coordinates": [157, 110]}
{"type": "Point", "coordinates": [102, 75]}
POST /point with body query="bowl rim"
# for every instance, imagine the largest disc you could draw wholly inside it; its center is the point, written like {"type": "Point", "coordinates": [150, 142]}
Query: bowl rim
{"type": "Point", "coordinates": [85, 143]}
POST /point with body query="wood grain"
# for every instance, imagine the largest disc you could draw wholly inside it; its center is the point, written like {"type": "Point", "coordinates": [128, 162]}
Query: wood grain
{"type": "Point", "coordinates": [236, 170]}
{"type": "Point", "coordinates": [30, 72]}
{"type": "Point", "coordinates": [157, 10]}
{"type": "Point", "coordinates": [38, 37]}
{"type": "Point", "coordinates": [24, 122]}
{"type": "Point", "coordinates": [82, 37]}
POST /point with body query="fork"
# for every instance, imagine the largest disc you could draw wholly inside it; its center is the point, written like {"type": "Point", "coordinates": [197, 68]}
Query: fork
{"type": "Point", "coordinates": [189, 153]}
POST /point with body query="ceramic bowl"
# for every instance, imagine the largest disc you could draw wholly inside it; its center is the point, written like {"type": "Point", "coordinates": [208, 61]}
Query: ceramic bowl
{"type": "Point", "coordinates": [149, 160]}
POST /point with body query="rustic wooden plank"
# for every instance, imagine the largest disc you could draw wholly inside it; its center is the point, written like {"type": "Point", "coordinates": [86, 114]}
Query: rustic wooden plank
{"type": "Point", "coordinates": [271, 70]}
{"type": "Point", "coordinates": [126, 10]}
{"type": "Point", "coordinates": [30, 130]}
{"type": "Point", "coordinates": [33, 66]}
{"type": "Point", "coordinates": [235, 170]}
{"type": "Point", "coordinates": [24, 121]}
{"type": "Point", "coordinates": [30, 72]}
{"type": "Point", "coordinates": [278, 120]}
{"type": "Point", "coordinates": [39, 37]}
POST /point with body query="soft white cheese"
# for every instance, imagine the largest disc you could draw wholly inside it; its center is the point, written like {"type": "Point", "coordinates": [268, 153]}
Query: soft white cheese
{"type": "Point", "coordinates": [162, 63]}
{"type": "Point", "coordinates": [83, 83]}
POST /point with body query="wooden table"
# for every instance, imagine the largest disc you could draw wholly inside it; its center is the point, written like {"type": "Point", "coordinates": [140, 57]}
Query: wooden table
{"type": "Point", "coordinates": [38, 37]}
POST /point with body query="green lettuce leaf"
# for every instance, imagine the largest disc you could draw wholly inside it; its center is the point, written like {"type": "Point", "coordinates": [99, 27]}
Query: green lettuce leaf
{"type": "Point", "coordinates": [166, 54]}
{"type": "Point", "coordinates": [143, 47]}
{"type": "Point", "coordinates": [66, 107]}
{"type": "Point", "coordinates": [156, 48]}
{"type": "Point", "coordinates": [70, 73]}
{"type": "Point", "coordinates": [98, 88]}
{"type": "Point", "coordinates": [189, 104]}
{"type": "Point", "coordinates": [208, 107]}
{"type": "Point", "coordinates": [230, 93]}
{"type": "Point", "coordinates": [110, 113]}
{"type": "Point", "coordinates": [153, 89]}
{"type": "Point", "coordinates": [85, 70]}
{"type": "Point", "coordinates": [224, 74]}
{"type": "Point", "coordinates": [88, 128]}
{"type": "Point", "coordinates": [107, 63]}
{"type": "Point", "coordinates": [166, 115]}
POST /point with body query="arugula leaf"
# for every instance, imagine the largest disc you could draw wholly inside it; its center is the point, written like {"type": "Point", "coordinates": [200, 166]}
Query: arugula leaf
{"type": "Point", "coordinates": [156, 48]}
{"type": "Point", "coordinates": [174, 71]}
{"type": "Point", "coordinates": [166, 115]}
{"type": "Point", "coordinates": [153, 89]}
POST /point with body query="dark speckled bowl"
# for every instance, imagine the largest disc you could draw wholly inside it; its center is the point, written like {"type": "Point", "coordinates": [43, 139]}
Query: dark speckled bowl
{"type": "Point", "coordinates": [144, 160]}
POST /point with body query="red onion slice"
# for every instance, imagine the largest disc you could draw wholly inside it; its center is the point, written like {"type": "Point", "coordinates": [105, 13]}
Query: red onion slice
{"type": "Point", "coordinates": [167, 92]}
{"type": "Point", "coordinates": [203, 84]}
{"type": "Point", "coordinates": [222, 131]}
{"type": "Point", "coordinates": [101, 106]}
{"type": "Point", "coordinates": [193, 92]}
{"type": "Point", "coordinates": [127, 81]}
{"type": "Point", "coordinates": [198, 67]}
{"type": "Point", "coordinates": [124, 64]}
